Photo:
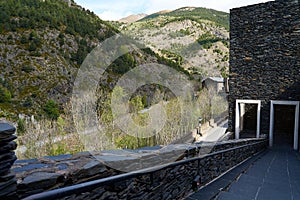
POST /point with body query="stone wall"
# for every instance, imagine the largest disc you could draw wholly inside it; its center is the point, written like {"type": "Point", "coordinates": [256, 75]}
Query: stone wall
{"type": "Point", "coordinates": [264, 55]}
{"type": "Point", "coordinates": [162, 172]}
{"type": "Point", "coordinates": [168, 181]}
{"type": "Point", "coordinates": [8, 183]}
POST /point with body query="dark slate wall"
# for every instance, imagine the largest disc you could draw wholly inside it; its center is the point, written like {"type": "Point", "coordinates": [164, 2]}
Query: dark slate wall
{"type": "Point", "coordinates": [8, 182]}
{"type": "Point", "coordinates": [173, 181]}
{"type": "Point", "coordinates": [264, 55]}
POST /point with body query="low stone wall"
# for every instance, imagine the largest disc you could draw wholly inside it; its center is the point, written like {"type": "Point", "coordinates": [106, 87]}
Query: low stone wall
{"type": "Point", "coordinates": [8, 183]}
{"type": "Point", "coordinates": [162, 172]}
{"type": "Point", "coordinates": [166, 181]}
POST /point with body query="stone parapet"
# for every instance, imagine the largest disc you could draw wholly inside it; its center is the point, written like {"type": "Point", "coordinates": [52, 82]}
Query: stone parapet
{"type": "Point", "coordinates": [51, 172]}
{"type": "Point", "coordinates": [8, 182]}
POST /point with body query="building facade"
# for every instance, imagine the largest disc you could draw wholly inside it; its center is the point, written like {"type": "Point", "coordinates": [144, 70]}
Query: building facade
{"type": "Point", "coordinates": [264, 80]}
{"type": "Point", "coordinates": [214, 83]}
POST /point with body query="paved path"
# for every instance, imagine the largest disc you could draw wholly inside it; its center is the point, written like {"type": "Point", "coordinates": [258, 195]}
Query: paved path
{"type": "Point", "coordinates": [215, 133]}
{"type": "Point", "coordinates": [274, 176]}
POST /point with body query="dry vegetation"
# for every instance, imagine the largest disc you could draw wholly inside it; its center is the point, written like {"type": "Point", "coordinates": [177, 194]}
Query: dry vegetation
{"type": "Point", "coordinates": [52, 137]}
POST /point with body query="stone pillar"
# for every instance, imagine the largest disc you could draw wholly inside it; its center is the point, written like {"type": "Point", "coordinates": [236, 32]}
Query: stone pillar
{"type": "Point", "coordinates": [8, 183]}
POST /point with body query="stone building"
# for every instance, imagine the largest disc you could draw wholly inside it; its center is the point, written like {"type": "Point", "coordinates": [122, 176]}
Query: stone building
{"type": "Point", "coordinates": [214, 83]}
{"type": "Point", "coordinates": [264, 81]}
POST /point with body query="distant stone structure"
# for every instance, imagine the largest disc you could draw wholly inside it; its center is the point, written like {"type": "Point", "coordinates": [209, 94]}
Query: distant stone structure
{"type": "Point", "coordinates": [215, 83]}
{"type": "Point", "coordinates": [264, 80]}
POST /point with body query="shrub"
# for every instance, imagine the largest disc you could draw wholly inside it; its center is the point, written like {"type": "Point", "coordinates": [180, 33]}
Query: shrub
{"type": "Point", "coordinates": [24, 39]}
{"type": "Point", "coordinates": [21, 126]}
{"type": "Point", "coordinates": [5, 95]}
{"type": "Point", "coordinates": [32, 47]}
{"type": "Point", "coordinates": [51, 110]}
{"type": "Point", "coordinates": [27, 68]}
{"type": "Point", "coordinates": [28, 102]}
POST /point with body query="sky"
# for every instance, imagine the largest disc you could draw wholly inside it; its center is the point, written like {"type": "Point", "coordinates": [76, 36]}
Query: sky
{"type": "Point", "coordinates": [117, 9]}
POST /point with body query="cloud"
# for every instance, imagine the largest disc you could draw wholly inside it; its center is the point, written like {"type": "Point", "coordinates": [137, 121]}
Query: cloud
{"type": "Point", "coordinates": [111, 15]}
{"type": "Point", "coordinates": [117, 9]}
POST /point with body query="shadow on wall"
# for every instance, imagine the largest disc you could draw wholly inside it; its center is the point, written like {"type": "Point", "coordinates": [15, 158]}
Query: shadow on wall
{"type": "Point", "coordinates": [248, 122]}
{"type": "Point", "coordinates": [285, 114]}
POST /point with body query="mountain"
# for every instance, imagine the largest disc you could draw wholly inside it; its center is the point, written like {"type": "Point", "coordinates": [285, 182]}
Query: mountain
{"type": "Point", "coordinates": [132, 18]}
{"type": "Point", "coordinates": [195, 38]}
{"type": "Point", "coordinates": [43, 43]}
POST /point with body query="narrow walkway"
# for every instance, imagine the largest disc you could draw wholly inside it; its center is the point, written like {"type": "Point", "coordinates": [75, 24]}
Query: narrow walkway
{"type": "Point", "coordinates": [274, 176]}
{"type": "Point", "coordinates": [214, 134]}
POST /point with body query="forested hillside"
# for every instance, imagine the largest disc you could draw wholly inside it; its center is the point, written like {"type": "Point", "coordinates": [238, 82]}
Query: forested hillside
{"type": "Point", "coordinates": [43, 44]}
{"type": "Point", "coordinates": [220, 18]}
{"type": "Point", "coordinates": [195, 38]}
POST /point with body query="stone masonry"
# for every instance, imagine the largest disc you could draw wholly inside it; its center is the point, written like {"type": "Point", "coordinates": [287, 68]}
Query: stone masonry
{"type": "Point", "coordinates": [173, 181]}
{"type": "Point", "coordinates": [8, 182]}
{"type": "Point", "coordinates": [157, 177]}
{"type": "Point", "coordinates": [264, 56]}
{"type": "Point", "coordinates": [52, 172]}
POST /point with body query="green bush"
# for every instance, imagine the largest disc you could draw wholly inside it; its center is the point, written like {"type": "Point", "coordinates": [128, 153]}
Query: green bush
{"type": "Point", "coordinates": [130, 142]}
{"type": "Point", "coordinates": [51, 110]}
{"type": "Point", "coordinates": [206, 40]}
{"type": "Point", "coordinates": [27, 68]}
{"type": "Point", "coordinates": [5, 95]}
{"type": "Point", "coordinates": [21, 127]}
{"type": "Point", "coordinates": [24, 39]}
{"type": "Point", "coordinates": [32, 47]}
{"type": "Point", "coordinates": [28, 102]}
